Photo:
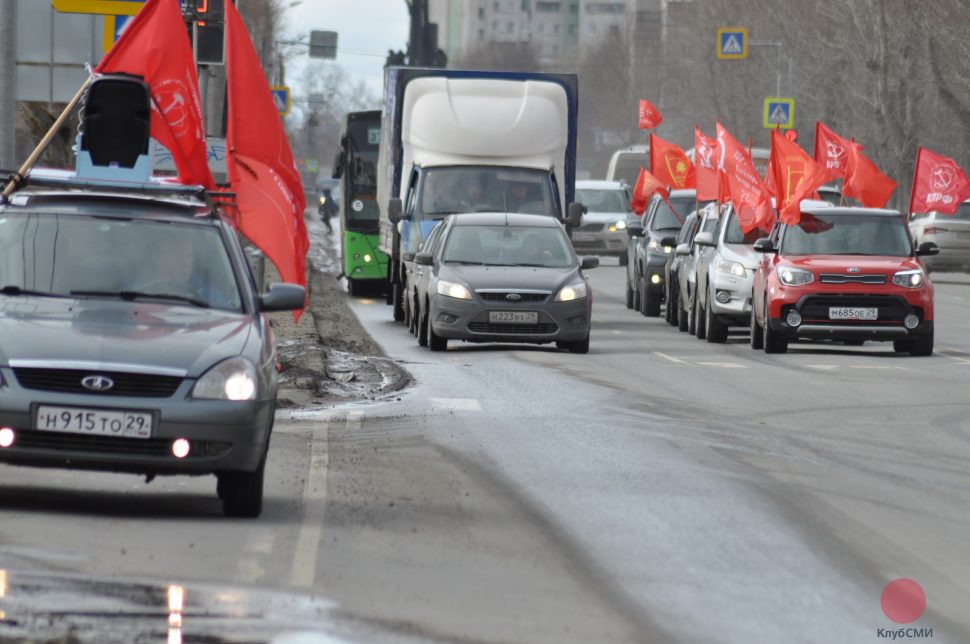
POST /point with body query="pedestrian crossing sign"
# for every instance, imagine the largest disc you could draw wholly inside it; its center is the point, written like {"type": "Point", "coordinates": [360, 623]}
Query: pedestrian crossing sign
{"type": "Point", "coordinates": [732, 43]}
{"type": "Point", "coordinates": [779, 113]}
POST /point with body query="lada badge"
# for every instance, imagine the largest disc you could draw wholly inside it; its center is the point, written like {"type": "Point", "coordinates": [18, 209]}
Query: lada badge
{"type": "Point", "coordinates": [97, 383]}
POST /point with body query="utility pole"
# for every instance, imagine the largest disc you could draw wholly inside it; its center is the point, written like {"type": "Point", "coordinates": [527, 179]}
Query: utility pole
{"type": "Point", "coordinates": [419, 21]}
{"type": "Point", "coordinates": [8, 84]}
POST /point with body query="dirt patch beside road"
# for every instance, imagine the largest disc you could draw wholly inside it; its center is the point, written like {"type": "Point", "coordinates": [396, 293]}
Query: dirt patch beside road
{"type": "Point", "coordinates": [327, 357]}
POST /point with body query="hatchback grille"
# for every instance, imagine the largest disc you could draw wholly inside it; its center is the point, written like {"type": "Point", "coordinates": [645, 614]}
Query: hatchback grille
{"type": "Point", "coordinates": [125, 384]}
{"type": "Point", "coordinates": [837, 278]}
{"type": "Point", "coordinates": [513, 329]}
{"type": "Point", "coordinates": [111, 445]}
{"type": "Point", "coordinates": [590, 228]}
{"type": "Point", "coordinates": [523, 297]}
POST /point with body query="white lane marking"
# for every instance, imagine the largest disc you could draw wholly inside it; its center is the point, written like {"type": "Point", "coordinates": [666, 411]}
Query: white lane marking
{"type": "Point", "coordinates": [943, 351]}
{"type": "Point", "coordinates": [826, 367]}
{"type": "Point", "coordinates": [724, 365]}
{"type": "Point", "coordinates": [671, 358]}
{"type": "Point", "coordinates": [616, 332]}
{"type": "Point", "coordinates": [455, 404]}
{"type": "Point", "coordinates": [873, 366]}
{"type": "Point", "coordinates": [314, 500]}
{"type": "Point", "coordinates": [354, 419]}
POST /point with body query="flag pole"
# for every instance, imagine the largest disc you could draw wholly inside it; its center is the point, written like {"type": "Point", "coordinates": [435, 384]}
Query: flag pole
{"type": "Point", "coordinates": [17, 179]}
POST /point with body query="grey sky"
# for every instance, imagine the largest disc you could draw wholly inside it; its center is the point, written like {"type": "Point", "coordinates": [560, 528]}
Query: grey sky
{"type": "Point", "coordinates": [366, 28]}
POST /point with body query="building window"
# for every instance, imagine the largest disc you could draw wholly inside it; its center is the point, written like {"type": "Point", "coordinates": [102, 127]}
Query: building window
{"type": "Point", "coordinates": [481, 13]}
{"type": "Point", "coordinates": [496, 7]}
{"type": "Point", "coordinates": [542, 28]}
{"type": "Point", "coordinates": [481, 35]}
{"type": "Point", "coordinates": [525, 5]}
{"type": "Point", "coordinates": [510, 28]}
{"type": "Point", "coordinates": [495, 25]}
{"type": "Point", "coordinates": [573, 8]}
{"type": "Point", "coordinates": [606, 7]}
{"type": "Point", "coordinates": [548, 7]}
{"type": "Point", "coordinates": [555, 28]}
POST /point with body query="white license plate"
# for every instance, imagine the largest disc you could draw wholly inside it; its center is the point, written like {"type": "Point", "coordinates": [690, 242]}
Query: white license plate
{"type": "Point", "coordinates": [584, 237]}
{"type": "Point", "coordinates": [95, 422]}
{"type": "Point", "coordinates": [513, 317]}
{"type": "Point", "coordinates": [853, 313]}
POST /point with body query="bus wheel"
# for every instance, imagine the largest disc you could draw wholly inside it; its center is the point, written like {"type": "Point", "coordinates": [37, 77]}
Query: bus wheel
{"type": "Point", "coordinates": [353, 288]}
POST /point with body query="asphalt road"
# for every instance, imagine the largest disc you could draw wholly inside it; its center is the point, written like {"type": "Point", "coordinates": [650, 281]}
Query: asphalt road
{"type": "Point", "coordinates": [658, 489]}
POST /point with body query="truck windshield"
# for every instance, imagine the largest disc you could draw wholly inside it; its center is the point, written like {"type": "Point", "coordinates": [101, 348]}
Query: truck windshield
{"type": "Point", "coordinates": [603, 200]}
{"type": "Point", "coordinates": [460, 189]}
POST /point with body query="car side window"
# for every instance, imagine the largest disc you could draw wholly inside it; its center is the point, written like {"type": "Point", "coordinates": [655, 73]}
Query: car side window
{"type": "Point", "coordinates": [721, 221]}
{"type": "Point", "coordinates": [431, 242]}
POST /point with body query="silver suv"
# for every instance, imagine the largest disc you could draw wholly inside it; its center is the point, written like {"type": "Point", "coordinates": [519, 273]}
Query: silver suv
{"type": "Point", "coordinates": [723, 277]}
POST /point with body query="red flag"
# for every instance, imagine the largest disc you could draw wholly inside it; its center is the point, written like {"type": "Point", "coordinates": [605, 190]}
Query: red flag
{"type": "Point", "coordinates": [649, 116]}
{"type": "Point", "coordinates": [831, 150]}
{"type": "Point", "coordinates": [705, 165]}
{"type": "Point", "coordinates": [938, 184]}
{"type": "Point", "coordinates": [796, 176]}
{"type": "Point", "coordinates": [751, 198]}
{"type": "Point", "coordinates": [671, 165]}
{"type": "Point", "coordinates": [269, 192]}
{"type": "Point", "coordinates": [155, 46]}
{"type": "Point", "coordinates": [864, 181]}
{"type": "Point", "coordinates": [647, 184]}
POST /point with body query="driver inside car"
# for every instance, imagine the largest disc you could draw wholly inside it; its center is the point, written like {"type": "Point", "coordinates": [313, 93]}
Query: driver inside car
{"type": "Point", "coordinates": [173, 268]}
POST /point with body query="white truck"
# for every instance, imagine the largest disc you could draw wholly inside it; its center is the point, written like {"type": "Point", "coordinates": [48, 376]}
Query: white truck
{"type": "Point", "coordinates": [457, 141]}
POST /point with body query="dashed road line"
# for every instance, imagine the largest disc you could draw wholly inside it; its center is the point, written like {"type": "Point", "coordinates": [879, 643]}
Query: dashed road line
{"type": "Point", "coordinates": [823, 367]}
{"type": "Point", "coordinates": [670, 358]}
{"type": "Point", "coordinates": [304, 570]}
{"type": "Point", "coordinates": [354, 419]}
{"type": "Point", "coordinates": [724, 365]}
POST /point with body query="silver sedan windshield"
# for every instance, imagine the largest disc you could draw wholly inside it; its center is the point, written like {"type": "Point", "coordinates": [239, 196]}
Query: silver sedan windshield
{"type": "Point", "coordinates": [509, 246]}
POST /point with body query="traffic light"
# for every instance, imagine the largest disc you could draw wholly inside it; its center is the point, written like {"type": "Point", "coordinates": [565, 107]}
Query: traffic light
{"type": "Point", "coordinates": [208, 31]}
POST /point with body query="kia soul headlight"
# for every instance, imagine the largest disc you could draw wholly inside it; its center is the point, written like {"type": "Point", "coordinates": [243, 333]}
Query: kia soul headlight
{"type": "Point", "coordinates": [909, 279]}
{"type": "Point", "coordinates": [795, 276]}
{"type": "Point", "coordinates": [232, 379]}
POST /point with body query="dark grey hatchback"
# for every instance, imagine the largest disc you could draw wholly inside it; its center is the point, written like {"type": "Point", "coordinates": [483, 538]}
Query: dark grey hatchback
{"type": "Point", "coordinates": [133, 339]}
{"type": "Point", "coordinates": [499, 277]}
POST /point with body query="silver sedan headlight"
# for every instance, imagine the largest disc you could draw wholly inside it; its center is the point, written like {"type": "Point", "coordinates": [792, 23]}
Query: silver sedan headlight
{"type": "Point", "coordinates": [232, 379]}
{"type": "Point", "coordinates": [909, 279]}
{"type": "Point", "coordinates": [795, 277]}
{"type": "Point", "coordinates": [572, 292]}
{"type": "Point", "coordinates": [731, 268]}
{"type": "Point", "coordinates": [657, 246]}
{"type": "Point", "coordinates": [617, 225]}
{"type": "Point", "coordinates": [453, 289]}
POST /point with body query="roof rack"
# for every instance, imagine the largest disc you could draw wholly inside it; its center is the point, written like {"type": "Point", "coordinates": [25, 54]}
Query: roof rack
{"type": "Point", "coordinates": [52, 178]}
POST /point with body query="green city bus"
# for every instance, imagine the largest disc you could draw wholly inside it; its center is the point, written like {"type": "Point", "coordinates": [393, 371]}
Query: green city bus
{"type": "Point", "coordinates": [364, 266]}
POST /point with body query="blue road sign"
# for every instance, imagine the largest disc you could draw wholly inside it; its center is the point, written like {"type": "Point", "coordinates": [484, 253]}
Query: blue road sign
{"type": "Point", "coordinates": [281, 97]}
{"type": "Point", "coordinates": [779, 112]}
{"type": "Point", "coordinates": [732, 43]}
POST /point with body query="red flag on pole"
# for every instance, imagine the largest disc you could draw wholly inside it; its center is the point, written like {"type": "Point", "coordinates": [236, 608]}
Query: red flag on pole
{"type": "Point", "coordinates": [649, 116]}
{"type": "Point", "coordinates": [705, 165]}
{"type": "Point", "coordinates": [671, 165]}
{"type": "Point", "coordinates": [795, 176]}
{"type": "Point", "coordinates": [747, 191]}
{"type": "Point", "coordinates": [831, 150]}
{"type": "Point", "coordinates": [269, 191]}
{"type": "Point", "coordinates": [938, 184]}
{"type": "Point", "coordinates": [864, 181]}
{"type": "Point", "coordinates": [646, 185]}
{"type": "Point", "coordinates": [156, 47]}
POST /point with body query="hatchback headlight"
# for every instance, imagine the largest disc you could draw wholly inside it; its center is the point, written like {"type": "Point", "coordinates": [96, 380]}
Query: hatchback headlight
{"type": "Point", "coordinates": [795, 277]}
{"type": "Point", "coordinates": [909, 279]}
{"type": "Point", "coordinates": [452, 289]}
{"type": "Point", "coordinates": [731, 268]}
{"type": "Point", "coordinates": [232, 379]}
{"type": "Point", "coordinates": [657, 246]}
{"type": "Point", "coordinates": [572, 292]}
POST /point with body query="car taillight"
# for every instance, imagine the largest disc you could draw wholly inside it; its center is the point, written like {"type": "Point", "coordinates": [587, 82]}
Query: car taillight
{"type": "Point", "coordinates": [933, 230]}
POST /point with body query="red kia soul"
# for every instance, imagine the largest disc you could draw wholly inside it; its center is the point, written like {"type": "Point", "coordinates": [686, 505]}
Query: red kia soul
{"type": "Point", "coordinates": [844, 274]}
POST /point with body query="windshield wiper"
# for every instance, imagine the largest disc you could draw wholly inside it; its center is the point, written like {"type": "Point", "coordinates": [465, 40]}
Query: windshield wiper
{"type": "Point", "coordinates": [532, 264]}
{"type": "Point", "coordinates": [463, 262]}
{"type": "Point", "coordinates": [11, 289]}
{"type": "Point", "coordinates": [134, 295]}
